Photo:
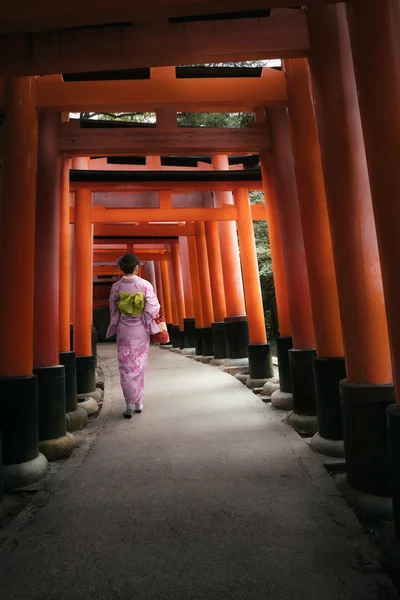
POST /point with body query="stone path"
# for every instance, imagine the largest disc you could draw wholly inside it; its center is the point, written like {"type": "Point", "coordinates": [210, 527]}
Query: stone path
{"type": "Point", "coordinates": [205, 495]}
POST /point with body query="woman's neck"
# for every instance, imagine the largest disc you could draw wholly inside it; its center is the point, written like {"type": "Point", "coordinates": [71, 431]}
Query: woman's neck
{"type": "Point", "coordinates": [130, 276]}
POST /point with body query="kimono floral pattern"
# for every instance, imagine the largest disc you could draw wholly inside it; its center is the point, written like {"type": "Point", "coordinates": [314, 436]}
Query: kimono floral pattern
{"type": "Point", "coordinates": [133, 336]}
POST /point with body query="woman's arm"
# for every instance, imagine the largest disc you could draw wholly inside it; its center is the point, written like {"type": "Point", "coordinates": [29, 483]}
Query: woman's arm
{"type": "Point", "coordinates": [114, 312]}
{"type": "Point", "coordinates": [152, 306]}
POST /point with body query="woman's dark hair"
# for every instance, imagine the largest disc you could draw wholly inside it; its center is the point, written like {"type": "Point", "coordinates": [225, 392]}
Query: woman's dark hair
{"type": "Point", "coordinates": [128, 262]}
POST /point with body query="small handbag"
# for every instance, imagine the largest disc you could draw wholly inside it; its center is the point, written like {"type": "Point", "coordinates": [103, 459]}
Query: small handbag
{"type": "Point", "coordinates": [162, 337]}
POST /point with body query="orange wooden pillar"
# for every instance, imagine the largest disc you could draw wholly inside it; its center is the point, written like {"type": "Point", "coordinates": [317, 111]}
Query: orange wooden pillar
{"type": "Point", "coordinates": [302, 354]}
{"type": "Point", "coordinates": [236, 329]}
{"type": "Point", "coordinates": [217, 290]}
{"type": "Point", "coordinates": [160, 294]}
{"type": "Point", "coordinates": [197, 301]}
{"type": "Point", "coordinates": [174, 333]}
{"type": "Point", "coordinates": [54, 442]}
{"type": "Point", "coordinates": [23, 464]}
{"type": "Point", "coordinates": [329, 365]}
{"type": "Point", "coordinates": [205, 286]}
{"type": "Point", "coordinates": [281, 398]}
{"type": "Point", "coordinates": [178, 284]}
{"type": "Point", "coordinates": [374, 30]}
{"type": "Point", "coordinates": [260, 360]}
{"type": "Point", "coordinates": [367, 391]}
{"type": "Point", "coordinates": [166, 294]}
{"type": "Point", "coordinates": [152, 275]}
{"type": "Point", "coordinates": [76, 417]}
{"type": "Point", "coordinates": [83, 301]}
{"type": "Point", "coordinates": [189, 321]}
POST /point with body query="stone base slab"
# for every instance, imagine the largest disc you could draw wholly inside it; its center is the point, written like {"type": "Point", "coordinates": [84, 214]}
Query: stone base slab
{"type": "Point", "coordinates": [242, 376]}
{"type": "Point", "coordinates": [89, 405]}
{"type": "Point", "coordinates": [217, 362]}
{"type": "Point", "coordinates": [188, 351]}
{"type": "Point", "coordinates": [282, 400]}
{"type": "Point", "coordinates": [322, 445]}
{"type": "Point", "coordinates": [270, 386]}
{"type": "Point", "coordinates": [76, 419]}
{"type": "Point", "coordinates": [253, 384]}
{"type": "Point", "coordinates": [24, 474]}
{"type": "Point", "coordinates": [370, 505]}
{"type": "Point", "coordinates": [303, 424]}
{"type": "Point", "coordinates": [58, 448]}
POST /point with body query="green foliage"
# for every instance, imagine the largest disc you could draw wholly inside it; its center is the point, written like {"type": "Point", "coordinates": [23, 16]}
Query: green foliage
{"type": "Point", "coordinates": [232, 120]}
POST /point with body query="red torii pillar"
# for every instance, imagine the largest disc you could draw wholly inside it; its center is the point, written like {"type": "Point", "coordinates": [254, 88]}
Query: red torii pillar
{"type": "Point", "coordinates": [160, 294]}
{"type": "Point", "coordinates": [178, 284]}
{"type": "Point", "coordinates": [166, 288]}
{"type": "Point", "coordinates": [76, 417]}
{"type": "Point", "coordinates": [217, 291]}
{"type": "Point", "coordinates": [23, 464]}
{"type": "Point", "coordinates": [374, 29]}
{"type": "Point", "coordinates": [189, 321]}
{"type": "Point", "coordinates": [174, 307]}
{"type": "Point", "coordinates": [83, 300]}
{"type": "Point", "coordinates": [205, 295]}
{"type": "Point", "coordinates": [197, 303]}
{"type": "Point", "coordinates": [151, 273]}
{"type": "Point", "coordinates": [260, 359]}
{"type": "Point", "coordinates": [236, 328]}
{"type": "Point", "coordinates": [301, 356]}
{"type": "Point", "coordinates": [54, 441]}
{"type": "Point", "coordinates": [368, 390]}
{"type": "Point", "coordinates": [281, 398]}
{"type": "Point", "coordinates": [329, 365]}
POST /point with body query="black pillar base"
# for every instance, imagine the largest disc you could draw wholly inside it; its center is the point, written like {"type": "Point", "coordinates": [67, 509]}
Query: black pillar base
{"type": "Point", "coordinates": [95, 338]}
{"type": "Point", "coordinates": [181, 340]}
{"type": "Point", "coordinates": [170, 333]}
{"type": "Point", "coordinates": [218, 338]}
{"type": "Point", "coordinates": [208, 348]}
{"type": "Point", "coordinates": [190, 332]}
{"type": "Point", "coordinates": [71, 336]}
{"type": "Point", "coordinates": [393, 414]}
{"type": "Point", "coordinates": [260, 361]}
{"type": "Point", "coordinates": [237, 337]}
{"type": "Point", "coordinates": [19, 419]}
{"type": "Point", "coordinates": [174, 336]}
{"type": "Point", "coordinates": [283, 345]}
{"type": "Point", "coordinates": [301, 371]}
{"type": "Point", "coordinates": [68, 359]}
{"type": "Point", "coordinates": [199, 342]}
{"type": "Point", "coordinates": [85, 374]}
{"type": "Point", "coordinates": [365, 435]}
{"type": "Point", "coordinates": [51, 397]}
{"type": "Point", "coordinates": [328, 372]}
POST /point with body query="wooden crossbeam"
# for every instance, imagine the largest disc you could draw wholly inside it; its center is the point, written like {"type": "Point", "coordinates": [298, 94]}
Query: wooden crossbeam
{"type": "Point", "coordinates": [113, 255]}
{"type": "Point", "coordinates": [127, 47]}
{"type": "Point", "coordinates": [27, 16]}
{"type": "Point", "coordinates": [124, 241]}
{"type": "Point", "coordinates": [143, 230]}
{"type": "Point", "coordinates": [78, 141]}
{"type": "Point", "coordinates": [100, 214]}
{"type": "Point", "coordinates": [190, 95]}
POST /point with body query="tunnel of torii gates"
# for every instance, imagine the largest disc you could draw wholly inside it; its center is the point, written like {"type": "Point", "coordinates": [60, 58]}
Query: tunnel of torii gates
{"type": "Point", "coordinates": [326, 144]}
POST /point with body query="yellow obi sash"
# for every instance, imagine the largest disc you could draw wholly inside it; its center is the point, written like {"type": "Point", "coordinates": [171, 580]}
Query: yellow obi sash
{"type": "Point", "coordinates": [131, 305]}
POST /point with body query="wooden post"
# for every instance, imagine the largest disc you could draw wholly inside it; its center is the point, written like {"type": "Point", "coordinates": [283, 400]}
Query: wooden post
{"type": "Point", "coordinates": [367, 391]}
{"type": "Point", "coordinates": [18, 386]}
{"type": "Point", "coordinates": [260, 360]}
{"type": "Point", "coordinates": [329, 365]}
{"type": "Point", "coordinates": [301, 356]}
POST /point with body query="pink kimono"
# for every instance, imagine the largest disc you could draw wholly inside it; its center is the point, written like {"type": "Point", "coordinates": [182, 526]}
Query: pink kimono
{"type": "Point", "coordinates": [133, 336]}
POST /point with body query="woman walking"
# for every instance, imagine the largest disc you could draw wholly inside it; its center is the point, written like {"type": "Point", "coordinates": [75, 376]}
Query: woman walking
{"type": "Point", "coordinates": [133, 308]}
